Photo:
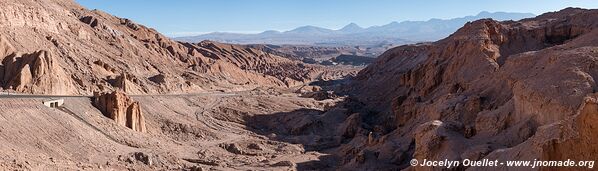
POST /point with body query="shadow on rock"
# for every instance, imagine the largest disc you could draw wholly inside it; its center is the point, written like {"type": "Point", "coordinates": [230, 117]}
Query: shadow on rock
{"type": "Point", "coordinates": [329, 131]}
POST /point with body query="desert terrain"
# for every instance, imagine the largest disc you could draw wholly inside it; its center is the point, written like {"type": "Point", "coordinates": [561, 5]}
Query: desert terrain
{"type": "Point", "coordinates": [125, 97]}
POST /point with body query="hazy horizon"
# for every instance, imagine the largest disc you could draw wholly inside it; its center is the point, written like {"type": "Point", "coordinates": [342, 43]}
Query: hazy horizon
{"type": "Point", "coordinates": [187, 17]}
{"type": "Point", "coordinates": [337, 28]}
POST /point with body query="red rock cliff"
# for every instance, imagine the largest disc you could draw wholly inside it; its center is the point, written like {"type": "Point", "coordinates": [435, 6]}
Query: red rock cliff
{"type": "Point", "coordinates": [122, 109]}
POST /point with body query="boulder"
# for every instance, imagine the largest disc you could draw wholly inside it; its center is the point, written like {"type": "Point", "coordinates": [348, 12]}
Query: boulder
{"type": "Point", "coordinates": [158, 79]}
{"type": "Point", "coordinates": [92, 21]}
{"type": "Point", "coordinates": [285, 163]}
{"type": "Point", "coordinates": [130, 24]}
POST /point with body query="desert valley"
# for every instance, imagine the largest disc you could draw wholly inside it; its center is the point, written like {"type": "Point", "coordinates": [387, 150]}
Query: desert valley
{"type": "Point", "coordinates": [85, 90]}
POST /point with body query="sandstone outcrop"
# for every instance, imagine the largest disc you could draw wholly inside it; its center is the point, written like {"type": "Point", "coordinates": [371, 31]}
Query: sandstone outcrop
{"type": "Point", "coordinates": [570, 139]}
{"type": "Point", "coordinates": [122, 109]}
{"type": "Point", "coordinates": [36, 72]}
{"type": "Point", "coordinates": [93, 22]}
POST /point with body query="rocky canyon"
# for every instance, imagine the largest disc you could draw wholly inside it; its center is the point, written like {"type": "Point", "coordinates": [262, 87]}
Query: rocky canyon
{"type": "Point", "coordinates": [134, 99]}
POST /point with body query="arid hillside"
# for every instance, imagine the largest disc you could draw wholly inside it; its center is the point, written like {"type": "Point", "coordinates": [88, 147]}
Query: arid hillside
{"type": "Point", "coordinates": [58, 47]}
{"type": "Point", "coordinates": [190, 132]}
{"type": "Point", "coordinates": [168, 112]}
{"type": "Point", "coordinates": [517, 90]}
{"type": "Point", "coordinates": [513, 90]}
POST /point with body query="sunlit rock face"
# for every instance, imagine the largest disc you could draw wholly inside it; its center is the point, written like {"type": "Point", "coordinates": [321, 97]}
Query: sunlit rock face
{"type": "Point", "coordinates": [508, 90]}
{"type": "Point", "coordinates": [122, 109]}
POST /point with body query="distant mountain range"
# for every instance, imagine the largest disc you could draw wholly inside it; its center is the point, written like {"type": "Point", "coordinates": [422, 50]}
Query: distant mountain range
{"type": "Point", "coordinates": [354, 35]}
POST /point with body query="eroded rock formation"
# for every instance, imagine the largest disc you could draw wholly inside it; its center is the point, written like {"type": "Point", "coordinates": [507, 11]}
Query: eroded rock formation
{"type": "Point", "coordinates": [514, 90]}
{"type": "Point", "coordinates": [36, 72]}
{"type": "Point", "coordinates": [121, 108]}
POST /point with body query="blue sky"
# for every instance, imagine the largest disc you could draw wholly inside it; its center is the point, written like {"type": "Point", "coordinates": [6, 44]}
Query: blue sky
{"type": "Point", "coordinates": [190, 17]}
